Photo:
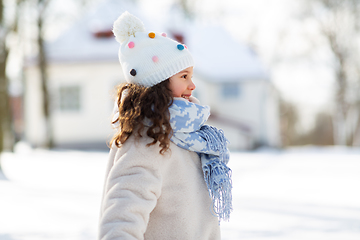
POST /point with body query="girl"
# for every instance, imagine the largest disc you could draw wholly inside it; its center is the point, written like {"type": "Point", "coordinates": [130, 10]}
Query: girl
{"type": "Point", "coordinates": [167, 176]}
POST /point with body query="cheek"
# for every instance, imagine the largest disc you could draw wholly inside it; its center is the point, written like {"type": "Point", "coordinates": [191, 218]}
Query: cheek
{"type": "Point", "coordinates": [177, 89]}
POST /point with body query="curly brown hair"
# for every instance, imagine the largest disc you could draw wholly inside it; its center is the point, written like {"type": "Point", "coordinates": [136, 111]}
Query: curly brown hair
{"type": "Point", "coordinates": [144, 102]}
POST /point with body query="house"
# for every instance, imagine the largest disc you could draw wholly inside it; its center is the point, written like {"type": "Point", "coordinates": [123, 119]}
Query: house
{"type": "Point", "coordinates": [84, 70]}
{"type": "Point", "coordinates": [233, 82]}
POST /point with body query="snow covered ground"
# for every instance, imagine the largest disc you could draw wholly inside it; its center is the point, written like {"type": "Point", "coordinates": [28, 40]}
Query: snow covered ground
{"type": "Point", "coordinates": [294, 194]}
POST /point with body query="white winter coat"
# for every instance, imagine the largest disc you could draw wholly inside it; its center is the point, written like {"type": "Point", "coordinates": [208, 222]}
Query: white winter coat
{"type": "Point", "coordinates": [155, 197]}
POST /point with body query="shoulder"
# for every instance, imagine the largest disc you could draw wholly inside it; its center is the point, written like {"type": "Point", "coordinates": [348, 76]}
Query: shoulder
{"type": "Point", "coordinates": [137, 148]}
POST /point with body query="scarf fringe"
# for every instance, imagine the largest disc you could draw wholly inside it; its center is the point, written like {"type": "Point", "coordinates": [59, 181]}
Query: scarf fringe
{"type": "Point", "coordinates": [216, 141]}
{"type": "Point", "coordinates": [218, 180]}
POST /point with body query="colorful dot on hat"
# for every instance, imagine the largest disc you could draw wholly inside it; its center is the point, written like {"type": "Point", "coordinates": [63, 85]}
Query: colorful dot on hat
{"type": "Point", "coordinates": [133, 72]}
{"type": "Point", "coordinates": [185, 46]}
{"type": "Point", "coordinates": [151, 35]}
{"type": "Point", "coordinates": [164, 34]}
{"type": "Point", "coordinates": [155, 58]}
{"type": "Point", "coordinates": [131, 44]}
{"type": "Point", "coordinates": [180, 47]}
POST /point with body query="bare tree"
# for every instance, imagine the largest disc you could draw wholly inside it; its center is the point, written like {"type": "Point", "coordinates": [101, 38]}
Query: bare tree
{"type": "Point", "coordinates": [187, 7]}
{"type": "Point", "coordinates": [42, 13]}
{"type": "Point", "coordinates": [4, 96]}
{"type": "Point", "coordinates": [7, 26]}
{"type": "Point", "coordinates": [42, 61]}
{"type": "Point", "coordinates": [339, 24]}
{"type": "Point", "coordinates": [289, 119]}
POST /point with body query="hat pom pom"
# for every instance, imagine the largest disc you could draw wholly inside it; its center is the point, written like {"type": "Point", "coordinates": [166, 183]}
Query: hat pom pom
{"type": "Point", "coordinates": [127, 25]}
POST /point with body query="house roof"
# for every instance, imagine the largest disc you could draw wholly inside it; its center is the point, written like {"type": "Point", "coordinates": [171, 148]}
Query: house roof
{"type": "Point", "coordinates": [83, 41]}
{"type": "Point", "coordinates": [218, 57]}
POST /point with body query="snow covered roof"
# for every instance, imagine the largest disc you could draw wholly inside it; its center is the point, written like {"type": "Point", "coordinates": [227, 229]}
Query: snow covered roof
{"type": "Point", "coordinates": [88, 39]}
{"type": "Point", "coordinates": [218, 57]}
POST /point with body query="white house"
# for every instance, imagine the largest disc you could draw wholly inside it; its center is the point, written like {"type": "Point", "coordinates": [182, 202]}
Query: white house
{"type": "Point", "coordinates": [234, 83]}
{"type": "Point", "coordinates": [84, 70]}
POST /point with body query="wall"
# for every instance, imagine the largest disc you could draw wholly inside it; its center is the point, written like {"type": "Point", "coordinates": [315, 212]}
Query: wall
{"type": "Point", "coordinates": [255, 107]}
{"type": "Point", "coordinates": [91, 123]}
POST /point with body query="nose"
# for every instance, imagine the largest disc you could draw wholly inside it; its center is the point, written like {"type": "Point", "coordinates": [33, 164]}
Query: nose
{"type": "Point", "coordinates": [191, 85]}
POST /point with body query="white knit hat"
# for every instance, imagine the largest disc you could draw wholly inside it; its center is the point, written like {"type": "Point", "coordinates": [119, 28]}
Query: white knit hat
{"type": "Point", "coordinates": [148, 58]}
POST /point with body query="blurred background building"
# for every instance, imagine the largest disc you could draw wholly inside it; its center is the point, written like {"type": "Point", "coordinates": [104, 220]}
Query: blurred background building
{"type": "Point", "coordinates": [83, 70]}
{"type": "Point", "coordinates": [275, 73]}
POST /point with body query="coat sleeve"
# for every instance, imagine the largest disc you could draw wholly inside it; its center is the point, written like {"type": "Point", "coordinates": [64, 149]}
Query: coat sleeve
{"type": "Point", "coordinates": [132, 187]}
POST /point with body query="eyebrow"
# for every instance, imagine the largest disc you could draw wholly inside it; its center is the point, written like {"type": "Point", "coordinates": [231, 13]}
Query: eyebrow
{"type": "Point", "coordinates": [184, 71]}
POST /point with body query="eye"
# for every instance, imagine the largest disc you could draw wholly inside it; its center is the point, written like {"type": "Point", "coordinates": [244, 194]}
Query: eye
{"type": "Point", "coordinates": [184, 76]}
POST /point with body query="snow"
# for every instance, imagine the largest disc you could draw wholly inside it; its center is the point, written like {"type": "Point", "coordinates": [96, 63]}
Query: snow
{"type": "Point", "coordinates": [306, 193]}
{"type": "Point", "coordinates": [78, 43]}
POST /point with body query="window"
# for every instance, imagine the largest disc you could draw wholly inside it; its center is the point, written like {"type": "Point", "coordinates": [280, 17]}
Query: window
{"type": "Point", "coordinates": [69, 98]}
{"type": "Point", "coordinates": [230, 90]}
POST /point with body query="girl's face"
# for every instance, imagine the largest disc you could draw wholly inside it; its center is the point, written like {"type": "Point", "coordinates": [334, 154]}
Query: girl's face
{"type": "Point", "coordinates": [181, 84]}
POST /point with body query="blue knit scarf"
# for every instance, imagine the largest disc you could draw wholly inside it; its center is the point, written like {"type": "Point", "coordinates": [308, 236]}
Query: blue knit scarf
{"type": "Point", "coordinates": [189, 132]}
